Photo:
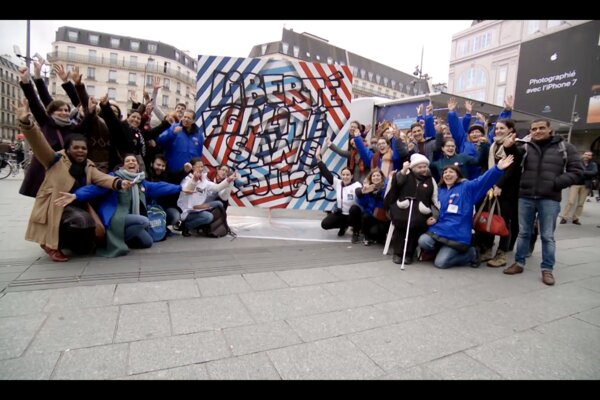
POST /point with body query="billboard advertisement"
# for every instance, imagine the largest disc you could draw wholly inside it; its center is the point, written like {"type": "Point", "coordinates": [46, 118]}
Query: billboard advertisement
{"type": "Point", "coordinates": [559, 70]}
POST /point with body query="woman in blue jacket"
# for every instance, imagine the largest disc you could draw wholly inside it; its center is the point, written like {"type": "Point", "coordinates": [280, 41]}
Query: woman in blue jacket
{"type": "Point", "coordinates": [124, 213]}
{"type": "Point", "coordinates": [451, 233]}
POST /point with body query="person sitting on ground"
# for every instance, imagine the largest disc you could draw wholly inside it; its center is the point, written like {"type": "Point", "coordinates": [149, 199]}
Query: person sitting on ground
{"type": "Point", "coordinates": [346, 212]}
{"type": "Point", "coordinates": [52, 226]}
{"type": "Point", "coordinates": [414, 181]}
{"type": "Point", "coordinates": [450, 235]}
{"type": "Point", "coordinates": [374, 221]}
{"type": "Point", "coordinates": [124, 213]}
{"type": "Point", "coordinates": [193, 199]}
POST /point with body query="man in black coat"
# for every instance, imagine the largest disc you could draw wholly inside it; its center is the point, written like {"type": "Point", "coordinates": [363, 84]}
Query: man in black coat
{"type": "Point", "coordinates": [549, 166]}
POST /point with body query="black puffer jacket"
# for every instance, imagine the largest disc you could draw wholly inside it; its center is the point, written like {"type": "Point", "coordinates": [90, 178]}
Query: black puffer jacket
{"type": "Point", "coordinates": [544, 175]}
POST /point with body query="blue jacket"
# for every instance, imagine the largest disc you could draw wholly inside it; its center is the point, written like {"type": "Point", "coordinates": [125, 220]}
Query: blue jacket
{"type": "Point", "coordinates": [180, 147]}
{"type": "Point", "coordinates": [108, 206]}
{"type": "Point", "coordinates": [457, 226]}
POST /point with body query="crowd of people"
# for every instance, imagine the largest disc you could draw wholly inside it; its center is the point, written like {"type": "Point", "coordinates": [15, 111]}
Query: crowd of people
{"type": "Point", "coordinates": [422, 187]}
{"type": "Point", "coordinates": [97, 172]}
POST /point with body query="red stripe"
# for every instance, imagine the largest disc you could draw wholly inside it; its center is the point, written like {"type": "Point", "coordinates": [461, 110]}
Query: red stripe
{"type": "Point", "coordinates": [344, 88]}
{"type": "Point", "coordinates": [318, 88]}
{"type": "Point", "coordinates": [268, 199]}
{"type": "Point", "coordinates": [328, 85]}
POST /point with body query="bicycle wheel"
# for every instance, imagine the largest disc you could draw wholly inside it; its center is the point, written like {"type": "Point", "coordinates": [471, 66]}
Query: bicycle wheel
{"type": "Point", "coordinates": [5, 169]}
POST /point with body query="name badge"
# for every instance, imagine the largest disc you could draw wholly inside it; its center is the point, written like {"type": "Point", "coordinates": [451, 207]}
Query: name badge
{"type": "Point", "coordinates": [452, 208]}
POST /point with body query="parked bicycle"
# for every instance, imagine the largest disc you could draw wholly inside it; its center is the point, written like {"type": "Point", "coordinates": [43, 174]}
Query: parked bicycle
{"type": "Point", "coordinates": [9, 165]}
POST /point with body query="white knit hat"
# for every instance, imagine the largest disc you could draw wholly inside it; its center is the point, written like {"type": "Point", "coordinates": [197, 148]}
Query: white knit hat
{"type": "Point", "coordinates": [417, 159]}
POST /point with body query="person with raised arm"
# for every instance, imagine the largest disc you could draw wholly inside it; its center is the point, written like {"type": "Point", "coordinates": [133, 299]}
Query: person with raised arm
{"type": "Point", "coordinates": [346, 211]}
{"type": "Point", "coordinates": [52, 226]}
{"type": "Point", "coordinates": [450, 234]}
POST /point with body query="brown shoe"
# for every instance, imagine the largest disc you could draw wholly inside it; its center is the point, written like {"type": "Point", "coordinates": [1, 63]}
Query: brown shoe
{"type": "Point", "coordinates": [498, 261]}
{"type": "Point", "coordinates": [513, 269]}
{"type": "Point", "coordinates": [547, 277]}
{"type": "Point", "coordinates": [55, 255]}
{"type": "Point", "coordinates": [486, 255]}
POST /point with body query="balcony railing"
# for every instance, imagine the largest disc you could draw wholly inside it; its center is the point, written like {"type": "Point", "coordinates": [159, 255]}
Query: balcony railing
{"type": "Point", "coordinates": [150, 69]}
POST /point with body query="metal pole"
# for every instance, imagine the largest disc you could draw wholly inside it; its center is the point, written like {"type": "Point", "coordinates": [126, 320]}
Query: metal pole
{"type": "Point", "coordinates": [28, 51]}
{"type": "Point", "coordinates": [572, 117]}
{"type": "Point", "coordinates": [421, 67]}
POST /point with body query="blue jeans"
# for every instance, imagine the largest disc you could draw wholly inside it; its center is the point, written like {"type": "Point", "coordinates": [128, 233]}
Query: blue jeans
{"type": "Point", "coordinates": [548, 211]}
{"type": "Point", "coordinates": [136, 233]}
{"type": "Point", "coordinates": [173, 215]}
{"type": "Point", "coordinates": [447, 256]}
{"type": "Point", "coordinates": [195, 220]}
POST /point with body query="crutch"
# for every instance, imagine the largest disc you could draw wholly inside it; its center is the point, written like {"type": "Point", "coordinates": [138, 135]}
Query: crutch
{"type": "Point", "coordinates": [407, 230]}
{"type": "Point", "coordinates": [388, 238]}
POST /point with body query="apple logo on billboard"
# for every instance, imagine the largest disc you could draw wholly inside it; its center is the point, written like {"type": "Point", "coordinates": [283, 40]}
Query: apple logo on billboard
{"type": "Point", "coordinates": [547, 109]}
{"type": "Point", "coordinates": [554, 57]}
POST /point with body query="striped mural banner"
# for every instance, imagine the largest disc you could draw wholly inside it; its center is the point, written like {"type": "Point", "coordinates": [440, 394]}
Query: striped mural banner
{"type": "Point", "coordinates": [266, 118]}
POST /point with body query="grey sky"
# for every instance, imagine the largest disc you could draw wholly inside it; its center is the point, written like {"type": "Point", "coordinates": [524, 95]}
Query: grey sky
{"type": "Point", "coordinates": [395, 43]}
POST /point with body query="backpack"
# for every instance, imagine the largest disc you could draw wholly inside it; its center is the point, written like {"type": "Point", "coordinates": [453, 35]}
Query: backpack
{"type": "Point", "coordinates": [158, 223]}
{"type": "Point", "coordinates": [218, 227]}
{"type": "Point", "coordinates": [562, 148]}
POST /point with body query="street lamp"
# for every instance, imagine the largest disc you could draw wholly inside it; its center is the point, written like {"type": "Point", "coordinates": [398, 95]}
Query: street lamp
{"type": "Point", "coordinates": [574, 119]}
{"type": "Point", "coordinates": [150, 59]}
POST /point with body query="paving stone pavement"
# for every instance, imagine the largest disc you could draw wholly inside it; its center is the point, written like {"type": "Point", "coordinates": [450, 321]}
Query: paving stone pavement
{"type": "Point", "coordinates": [273, 304]}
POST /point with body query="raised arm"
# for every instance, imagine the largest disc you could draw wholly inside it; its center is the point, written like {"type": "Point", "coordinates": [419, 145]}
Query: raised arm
{"type": "Point", "coordinates": [35, 105]}
{"type": "Point", "coordinates": [40, 85]}
{"type": "Point", "coordinates": [157, 110]}
{"type": "Point", "coordinates": [41, 149]}
{"type": "Point", "coordinates": [458, 133]}
{"type": "Point", "coordinates": [323, 168]}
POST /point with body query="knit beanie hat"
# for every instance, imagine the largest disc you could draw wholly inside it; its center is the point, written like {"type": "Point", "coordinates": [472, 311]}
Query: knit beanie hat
{"type": "Point", "coordinates": [417, 159]}
{"type": "Point", "coordinates": [476, 127]}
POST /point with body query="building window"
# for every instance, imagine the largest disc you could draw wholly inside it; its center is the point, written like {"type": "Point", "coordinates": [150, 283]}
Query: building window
{"type": "Point", "coordinates": [502, 73]}
{"type": "Point", "coordinates": [73, 35]}
{"type": "Point", "coordinates": [167, 84]}
{"type": "Point", "coordinates": [91, 90]}
{"type": "Point", "coordinates": [133, 61]}
{"type": "Point", "coordinates": [2, 87]}
{"type": "Point", "coordinates": [307, 54]}
{"type": "Point", "coordinates": [92, 54]}
{"type": "Point", "coordinates": [94, 39]}
{"type": "Point", "coordinates": [152, 48]}
{"type": "Point", "coordinates": [112, 93]}
{"type": "Point", "coordinates": [329, 60]}
{"type": "Point", "coordinates": [296, 51]}
{"type": "Point", "coordinates": [285, 47]}
{"type": "Point", "coordinates": [132, 78]}
{"type": "Point", "coordinates": [91, 73]}
{"type": "Point", "coordinates": [166, 67]}
{"type": "Point", "coordinates": [149, 80]}
{"type": "Point", "coordinates": [393, 82]}
{"type": "Point", "coordinates": [318, 57]}
{"type": "Point", "coordinates": [165, 101]}
{"type": "Point", "coordinates": [378, 78]}
{"type": "Point", "coordinates": [70, 51]}
{"type": "Point", "coordinates": [178, 87]}
{"type": "Point", "coordinates": [177, 56]}
{"type": "Point", "coordinates": [500, 95]}
{"type": "Point", "coordinates": [70, 67]}
{"type": "Point", "coordinates": [263, 49]}
{"type": "Point", "coordinates": [552, 23]}
{"type": "Point", "coordinates": [533, 26]}
{"type": "Point", "coordinates": [112, 75]}
{"type": "Point", "coordinates": [53, 88]}
{"type": "Point", "coordinates": [370, 74]}
{"type": "Point", "coordinates": [473, 78]}
{"type": "Point", "coordinates": [135, 45]}
{"type": "Point", "coordinates": [115, 43]}
{"type": "Point", "coordinates": [113, 58]}
{"type": "Point", "coordinates": [385, 81]}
